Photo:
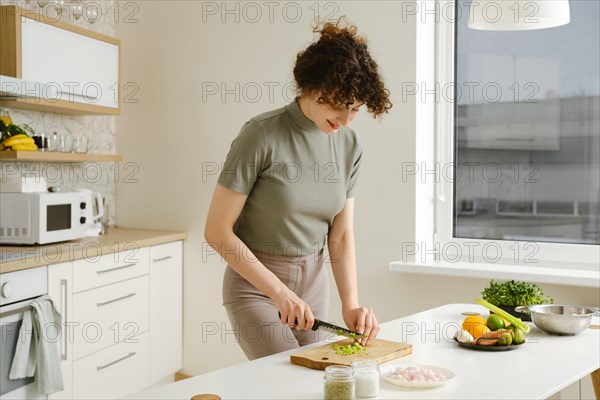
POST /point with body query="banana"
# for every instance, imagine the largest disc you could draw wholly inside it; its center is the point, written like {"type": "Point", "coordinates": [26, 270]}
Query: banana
{"type": "Point", "coordinates": [13, 140]}
{"type": "Point", "coordinates": [19, 136]}
{"type": "Point", "coordinates": [15, 137]}
{"type": "Point", "coordinates": [25, 147]}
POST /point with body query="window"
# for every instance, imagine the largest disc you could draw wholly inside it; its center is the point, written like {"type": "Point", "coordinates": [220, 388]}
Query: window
{"type": "Point", "coordinates": [527, 131]}
{"type": "Point", "coordinates": [520, 133]}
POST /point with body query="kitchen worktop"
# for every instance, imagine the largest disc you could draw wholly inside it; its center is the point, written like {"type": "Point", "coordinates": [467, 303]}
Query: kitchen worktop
{"type": "Point", "coordinates": [15, 258]}
{"type": "Point", "coordinates": [542, 366]}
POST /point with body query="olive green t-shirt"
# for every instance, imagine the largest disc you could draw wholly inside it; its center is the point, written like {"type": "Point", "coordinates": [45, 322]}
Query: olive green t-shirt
{"type": "Point", "coordinates": [297, 179]}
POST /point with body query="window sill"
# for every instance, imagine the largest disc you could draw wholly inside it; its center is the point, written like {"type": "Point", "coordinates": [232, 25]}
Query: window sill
{"type": "Point", "coordinates": [558, 276]}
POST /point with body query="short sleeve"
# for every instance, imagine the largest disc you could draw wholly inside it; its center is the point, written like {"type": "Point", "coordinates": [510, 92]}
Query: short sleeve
{"type": "Point", "coordinates": [357, 159]}
{"type": "Point", "coordinates": [245, 159]}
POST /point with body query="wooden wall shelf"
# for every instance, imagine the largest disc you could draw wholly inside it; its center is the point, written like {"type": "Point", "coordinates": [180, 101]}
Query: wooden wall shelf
{"type": "Point", "coordinates": [51, 156]}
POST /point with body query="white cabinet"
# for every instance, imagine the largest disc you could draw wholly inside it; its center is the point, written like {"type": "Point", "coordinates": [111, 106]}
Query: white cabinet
{"type": "Point", "coordinates": [83, 69]}
{"type": "Point", "coordinates": [115, 372]}
{"type": "Point", "coordinates": [166, 310]}
{"type": "Point", "coordinates": [123, 316]}
{"type": "Point", "coordinates": [72, 70]}
{"type": "Point", "coordinates": [60, 289]}
{"type": "Point", "coordinates": [109, 315]}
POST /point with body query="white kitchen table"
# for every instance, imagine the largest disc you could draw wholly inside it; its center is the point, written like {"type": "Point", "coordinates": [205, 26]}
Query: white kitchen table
{"type": "Point", "coordinates": [544, 365]}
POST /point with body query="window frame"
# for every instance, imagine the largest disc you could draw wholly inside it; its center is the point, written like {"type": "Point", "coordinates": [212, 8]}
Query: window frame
{"type": "Point", "coordinates": [448, 250]}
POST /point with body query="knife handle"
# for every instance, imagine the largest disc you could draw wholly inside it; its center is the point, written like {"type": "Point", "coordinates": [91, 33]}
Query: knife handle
{"type": "Point", "coordinates": [315, 324]}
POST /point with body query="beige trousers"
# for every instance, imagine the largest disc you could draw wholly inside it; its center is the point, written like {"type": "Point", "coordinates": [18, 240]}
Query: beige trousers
{"type": "Point", "coordinates": [253, 315]}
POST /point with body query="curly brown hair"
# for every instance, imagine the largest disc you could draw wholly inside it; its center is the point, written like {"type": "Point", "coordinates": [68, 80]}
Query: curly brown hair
{"type": "Point", "coordinates": [339, 69]}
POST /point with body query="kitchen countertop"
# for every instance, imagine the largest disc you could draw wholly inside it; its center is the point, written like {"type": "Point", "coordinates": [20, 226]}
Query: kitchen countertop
{"type": "Point", "coordinates": [542, 366]}
{"type": "Point", "coordinates": [15, 258]}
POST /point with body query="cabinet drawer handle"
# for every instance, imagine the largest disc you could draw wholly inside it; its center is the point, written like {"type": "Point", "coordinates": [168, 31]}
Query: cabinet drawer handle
{"type": "Point", "coordinates": [100, 368]}
{"type": "Point", "coordinates": [65, 330]}
{"type": "Point", "coordinates": [117, 299]}
{"type": "Point", "coordinates": [85, 96]}
{"type": "Point", "coordinates": [162, 259]}
{"type": "Point", "coordinates": [102, 271]}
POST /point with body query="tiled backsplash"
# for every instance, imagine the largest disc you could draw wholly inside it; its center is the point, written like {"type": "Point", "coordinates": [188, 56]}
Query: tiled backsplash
{"type": "Point", "coordinates": [99, 130]}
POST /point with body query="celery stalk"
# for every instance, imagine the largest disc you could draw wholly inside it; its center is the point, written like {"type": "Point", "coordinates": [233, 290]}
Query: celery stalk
{"type": "Point", "coordinates": [510, 318]}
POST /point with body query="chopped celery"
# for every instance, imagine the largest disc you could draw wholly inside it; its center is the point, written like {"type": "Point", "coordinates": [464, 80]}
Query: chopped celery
{"type": "Point", "coordinates": [348, 349]}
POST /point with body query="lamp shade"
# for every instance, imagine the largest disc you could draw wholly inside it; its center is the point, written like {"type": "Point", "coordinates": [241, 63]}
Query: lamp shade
{"type": "Point", "coordinates": [518, 15]}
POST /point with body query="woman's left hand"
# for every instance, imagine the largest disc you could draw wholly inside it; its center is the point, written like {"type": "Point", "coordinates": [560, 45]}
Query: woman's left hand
{"type": "Point", "coordinates": [362, 320]}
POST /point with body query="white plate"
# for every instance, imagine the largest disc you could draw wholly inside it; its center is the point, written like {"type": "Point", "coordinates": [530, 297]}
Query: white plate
{"type": "Point", "coordinates": [443, 371]}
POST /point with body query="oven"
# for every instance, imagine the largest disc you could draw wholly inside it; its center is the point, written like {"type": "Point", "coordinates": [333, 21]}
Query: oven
{"type": "Point", "coordinates": [17, 290]}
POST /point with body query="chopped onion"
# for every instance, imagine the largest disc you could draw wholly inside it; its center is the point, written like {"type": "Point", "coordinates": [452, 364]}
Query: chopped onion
{"type": "Point", "coordinates": [415, 374]}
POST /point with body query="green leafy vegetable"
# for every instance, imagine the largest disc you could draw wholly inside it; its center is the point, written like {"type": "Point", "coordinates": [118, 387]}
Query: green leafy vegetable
{"type": "Point", "coordinates": [29, 129]}
{"type": "Point", "coordinates": [514, 293]}
{"type": "Point", "coordinates": [12, 130]}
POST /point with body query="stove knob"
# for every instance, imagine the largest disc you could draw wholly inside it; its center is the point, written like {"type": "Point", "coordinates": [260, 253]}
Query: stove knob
{"type": "Point", "coordinates": [83, 205]}
{"type": "Point", "coordinates": [82, 220]}
{"type": "Point", "coordinates": [6, 290]}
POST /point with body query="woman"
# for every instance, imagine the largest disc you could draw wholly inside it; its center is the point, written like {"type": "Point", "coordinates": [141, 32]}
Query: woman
{"type": "Point", "coordinates": [286, 190]}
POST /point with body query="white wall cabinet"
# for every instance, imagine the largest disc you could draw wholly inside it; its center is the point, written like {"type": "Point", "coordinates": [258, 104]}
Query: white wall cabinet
{"type": "Point", "coordinates": [123, 313]}
{"type": "Point", "coordinates": [83, 69]}
{"type": "Point", "coordinates": [77, 69]}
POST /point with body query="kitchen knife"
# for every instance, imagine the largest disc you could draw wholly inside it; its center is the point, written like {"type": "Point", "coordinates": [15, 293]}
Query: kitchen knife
{"type": "Point", "coordinates": [338, 330]}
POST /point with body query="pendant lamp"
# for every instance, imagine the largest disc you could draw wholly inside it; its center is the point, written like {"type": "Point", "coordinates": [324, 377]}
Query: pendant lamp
{"type": "Point", "coordinates": [518, 15]}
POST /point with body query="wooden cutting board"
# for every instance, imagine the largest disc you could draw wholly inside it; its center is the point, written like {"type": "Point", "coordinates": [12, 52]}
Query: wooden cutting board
{"type": "Point", "coordinates": [323, 356]}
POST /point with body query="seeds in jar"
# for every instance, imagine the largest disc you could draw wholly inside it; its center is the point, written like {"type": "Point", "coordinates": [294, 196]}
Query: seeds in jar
{"type": "Point", "coordinates": [339, 390]}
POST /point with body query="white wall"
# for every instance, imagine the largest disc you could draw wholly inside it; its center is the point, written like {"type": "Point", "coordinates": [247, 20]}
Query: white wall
{"type": "Point", "coordinates": [176, 131]}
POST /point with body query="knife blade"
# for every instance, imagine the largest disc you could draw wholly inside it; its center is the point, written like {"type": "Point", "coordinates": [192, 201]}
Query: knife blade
{"type": "Point", "coordinates": [329, 327]}
{"type": "Point", "coordinates": [338, 330]}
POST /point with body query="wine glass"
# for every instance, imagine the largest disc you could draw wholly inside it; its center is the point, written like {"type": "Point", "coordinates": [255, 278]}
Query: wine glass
{"type": "Point", "coordinates": [77, 9]}
{"type": "Point", "coordinates": [92, 13]}
{"type": "Point", "coordinates": [57, 5]}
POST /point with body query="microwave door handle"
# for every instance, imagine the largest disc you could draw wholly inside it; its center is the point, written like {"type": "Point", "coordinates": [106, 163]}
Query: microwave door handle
{"type": "Point", "coordinates": [100, 206]}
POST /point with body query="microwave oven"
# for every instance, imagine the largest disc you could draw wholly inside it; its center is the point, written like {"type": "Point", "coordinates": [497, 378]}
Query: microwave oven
{"type": "Point", "coordinates": [42, 217]}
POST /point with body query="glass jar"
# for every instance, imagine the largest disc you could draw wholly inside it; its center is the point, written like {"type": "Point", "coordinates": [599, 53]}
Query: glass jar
{"type": "Point", "coordinates": [5, 116]}
{"type": "Point", "coordinates": [366, 376]}
{"type": "Point", "coordinates": [338, 383]}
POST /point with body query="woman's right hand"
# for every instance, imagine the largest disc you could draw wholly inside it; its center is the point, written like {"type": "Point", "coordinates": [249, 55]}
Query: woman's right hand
{"type": "Point", "coordinates": [294, 312]}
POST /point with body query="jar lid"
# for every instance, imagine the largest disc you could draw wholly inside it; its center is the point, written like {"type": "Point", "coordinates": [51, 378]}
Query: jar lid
{"type": "Point", "coordinates": [365, 363]}
{"type": "Point", "coordinates": [339, 372]}
{"type": "Point", "coordinates": [206, 396]}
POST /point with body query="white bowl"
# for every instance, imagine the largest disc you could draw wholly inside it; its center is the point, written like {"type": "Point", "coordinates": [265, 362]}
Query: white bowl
{"type": "Point", "coordinates": [386, 370]}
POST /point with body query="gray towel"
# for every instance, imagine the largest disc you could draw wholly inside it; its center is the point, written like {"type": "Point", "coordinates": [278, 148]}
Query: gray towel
{"type": "Point", "coordinates": [40, 358]}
